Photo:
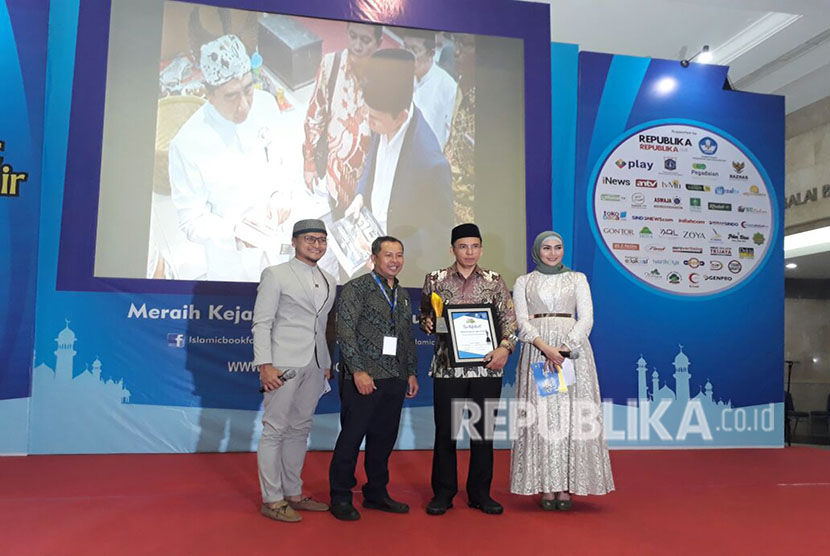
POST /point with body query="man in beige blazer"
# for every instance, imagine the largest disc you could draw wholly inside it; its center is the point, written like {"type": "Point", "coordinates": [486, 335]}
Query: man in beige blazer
{"type": "Point", "coordinates": [290, 315]}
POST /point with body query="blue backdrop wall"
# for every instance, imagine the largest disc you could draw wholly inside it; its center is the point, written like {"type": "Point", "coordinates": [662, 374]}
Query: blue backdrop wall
{"type": "Point", "coordinates": [100, 378]}
{"type": "Point", "coordinates": [23, 30]}
{"type": "Point", "coordinates": [678, 226]}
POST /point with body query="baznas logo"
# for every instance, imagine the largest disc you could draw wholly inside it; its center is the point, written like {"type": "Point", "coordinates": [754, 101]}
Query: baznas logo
{"type": "Point", "coordinates": [620, 163]}
{"type": "Point", "coordinates": [708, 146]}
{"type": "Point", "coordinates": [738, 166]}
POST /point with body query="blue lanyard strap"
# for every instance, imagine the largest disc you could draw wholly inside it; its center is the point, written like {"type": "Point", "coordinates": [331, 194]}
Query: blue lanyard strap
{"type": "Point", "coordinates": [392, 304]}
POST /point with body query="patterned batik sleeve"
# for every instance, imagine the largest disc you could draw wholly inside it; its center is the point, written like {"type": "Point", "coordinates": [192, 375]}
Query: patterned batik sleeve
{"type": "Point", "coordinates": [507, 316]}
{"type": "Point", "coordinates": [426, 305]}
{"type": "Point", "coordinates": [348, 313]}
{"type": "Point", "coordinates": [316, 117]}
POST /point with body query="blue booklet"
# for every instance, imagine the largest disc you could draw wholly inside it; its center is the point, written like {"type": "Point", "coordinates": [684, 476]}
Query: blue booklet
{"type": "Point", "coordinates": [547, 379]}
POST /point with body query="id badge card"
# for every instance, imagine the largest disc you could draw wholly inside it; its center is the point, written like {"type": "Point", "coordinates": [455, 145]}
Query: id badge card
{"type": "Point", "coordinates": [390, 345]}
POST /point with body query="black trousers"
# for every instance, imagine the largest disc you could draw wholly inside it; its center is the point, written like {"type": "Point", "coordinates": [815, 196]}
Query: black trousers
{"type": "Point", "coordinates": [444, 464]}
{"type": "Point", "coordinates": [376, 417]}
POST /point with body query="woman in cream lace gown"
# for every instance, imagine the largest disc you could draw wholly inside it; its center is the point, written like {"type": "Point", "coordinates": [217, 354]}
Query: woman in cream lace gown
{"type": "Point", "coordinates": [560, 449]}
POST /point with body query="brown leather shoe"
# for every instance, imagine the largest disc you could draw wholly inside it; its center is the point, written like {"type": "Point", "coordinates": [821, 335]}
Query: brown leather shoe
{"type": "Point", "coordinates": [280, 511]}
{"type": "Point", "coordinates": [307, 504]}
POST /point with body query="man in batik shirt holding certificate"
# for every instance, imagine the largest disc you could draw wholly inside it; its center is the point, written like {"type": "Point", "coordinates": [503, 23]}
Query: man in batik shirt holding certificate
{"type": "Point", "coordinates": [466, 283]}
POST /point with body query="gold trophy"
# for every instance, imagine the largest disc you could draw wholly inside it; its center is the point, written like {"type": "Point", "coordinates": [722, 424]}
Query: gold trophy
{"type": "Point", "coordinates": [438, 307]}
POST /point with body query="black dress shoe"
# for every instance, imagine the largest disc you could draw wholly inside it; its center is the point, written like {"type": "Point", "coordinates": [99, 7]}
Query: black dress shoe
{"type": "Point", "coordinates": [386, 505]}
{"type": "Point", "coordinates": [344, 511]}
{"type": "Point", "coordinates": [487, 505]}
{"type": "Point", "coordinates": [437, 506]}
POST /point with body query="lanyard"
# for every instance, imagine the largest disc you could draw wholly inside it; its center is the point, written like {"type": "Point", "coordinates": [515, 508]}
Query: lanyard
{"type": "Point", "coordinates": [392, 304]}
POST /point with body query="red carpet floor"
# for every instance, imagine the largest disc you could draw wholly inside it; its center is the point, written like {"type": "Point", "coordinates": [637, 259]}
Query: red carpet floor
{"type": "Point", "coordinates": [667, 502]}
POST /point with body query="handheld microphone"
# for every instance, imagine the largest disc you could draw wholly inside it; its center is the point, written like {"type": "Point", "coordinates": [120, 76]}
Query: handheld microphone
{"type": "Point", "coordinates": [287, 375]}
{"type": "Point", "coordinates": [570, 354]}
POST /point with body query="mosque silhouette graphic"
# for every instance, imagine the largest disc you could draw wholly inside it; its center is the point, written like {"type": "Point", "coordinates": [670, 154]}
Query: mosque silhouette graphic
{"type": "Point", "coordinates": [681, 394]}
{"type": "Point", "coordinates": [86, 413]}
{"type": "Point", "coordinates": [662, 416]}
{"type": "Point", "coordinates": [86, 386]}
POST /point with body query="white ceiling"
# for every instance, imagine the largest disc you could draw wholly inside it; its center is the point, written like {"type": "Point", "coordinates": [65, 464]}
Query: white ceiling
{"type": "Point", "coordinates": [772, 46]}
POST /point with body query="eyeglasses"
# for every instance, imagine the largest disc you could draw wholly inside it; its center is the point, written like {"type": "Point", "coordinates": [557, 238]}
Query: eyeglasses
{"type": "Point", "coordinates": [311, 240]}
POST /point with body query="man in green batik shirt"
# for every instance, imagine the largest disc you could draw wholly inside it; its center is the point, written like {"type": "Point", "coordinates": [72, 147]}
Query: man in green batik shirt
{"type": "Point", "coordinates": [377, 370]}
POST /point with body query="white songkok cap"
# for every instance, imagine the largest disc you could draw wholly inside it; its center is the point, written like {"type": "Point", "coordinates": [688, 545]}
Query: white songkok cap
{"type": "Point", "coordinates": [224, 59]}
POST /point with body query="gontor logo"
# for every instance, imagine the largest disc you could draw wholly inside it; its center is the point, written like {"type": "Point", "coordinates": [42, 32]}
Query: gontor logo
{"type": "Point", "coordinates": [10, 180]}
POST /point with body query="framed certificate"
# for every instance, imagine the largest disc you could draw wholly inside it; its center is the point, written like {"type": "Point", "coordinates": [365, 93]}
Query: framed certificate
{"type": "Point", "coordinates": [473, 333]}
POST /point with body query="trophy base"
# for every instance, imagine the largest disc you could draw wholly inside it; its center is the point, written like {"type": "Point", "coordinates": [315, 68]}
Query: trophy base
{"type": "Point", "coordinates": [441, 326]}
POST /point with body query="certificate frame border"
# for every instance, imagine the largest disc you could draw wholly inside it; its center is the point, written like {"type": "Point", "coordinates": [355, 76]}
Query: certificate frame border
{"type": "Point", "coordinates": [469, 308]}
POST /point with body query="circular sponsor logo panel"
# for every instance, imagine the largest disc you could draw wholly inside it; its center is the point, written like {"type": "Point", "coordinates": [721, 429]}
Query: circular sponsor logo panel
{"type": "Point", "coordinates": [693, 199]}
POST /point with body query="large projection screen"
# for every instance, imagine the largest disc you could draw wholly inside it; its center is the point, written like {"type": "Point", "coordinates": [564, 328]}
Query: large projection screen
{"type": "Point", "coordinates": [187, 196]}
